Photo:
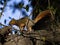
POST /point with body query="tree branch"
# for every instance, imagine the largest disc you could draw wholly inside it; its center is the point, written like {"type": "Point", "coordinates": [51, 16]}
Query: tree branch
{"type": "Point", "coordinates": [3, 8]}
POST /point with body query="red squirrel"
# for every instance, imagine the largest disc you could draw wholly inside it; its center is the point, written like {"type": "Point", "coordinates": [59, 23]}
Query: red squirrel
{"type": "Point", "coordinates": [23, 21]}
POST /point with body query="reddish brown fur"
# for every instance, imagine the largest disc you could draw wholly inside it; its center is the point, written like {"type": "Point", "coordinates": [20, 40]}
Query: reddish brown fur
{"type": "Point", "coordinates": [41, 15]}
{"type": "Point", "coordinates": [22, 22]}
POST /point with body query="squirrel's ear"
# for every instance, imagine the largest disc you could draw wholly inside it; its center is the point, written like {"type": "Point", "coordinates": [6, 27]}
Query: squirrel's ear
{"type": "Point", "coordinates": [13, 19]}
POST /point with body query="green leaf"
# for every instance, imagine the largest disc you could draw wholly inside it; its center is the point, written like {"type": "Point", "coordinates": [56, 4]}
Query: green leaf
{"type": "Point", "coordinates": [21, 5]}
{"type": "Point", "coordinates": [5, 21]}
{"type": "Point", "coordinates": [1, 8]}
{"type": "Point", "coordinates": [27, 8]}
{"type": "Point", "coordinates": [0, 15]}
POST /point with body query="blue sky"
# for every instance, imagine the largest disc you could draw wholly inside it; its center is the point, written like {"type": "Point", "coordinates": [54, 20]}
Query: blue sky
{"type": "Point", "coordinates": [18, 14]}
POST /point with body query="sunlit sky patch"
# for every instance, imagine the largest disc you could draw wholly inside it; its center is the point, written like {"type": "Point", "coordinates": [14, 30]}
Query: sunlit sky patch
{"type": "Point", "coordinates": [18, 14]}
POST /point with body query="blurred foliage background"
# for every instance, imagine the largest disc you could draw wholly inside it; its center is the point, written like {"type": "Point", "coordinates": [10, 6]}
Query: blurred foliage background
{"type": "Point", "coordinates": [44, 5]}
{"type": "Point", "coordinates": [38, 6]}
{"type": "Point", "coordinates": [47, 23]}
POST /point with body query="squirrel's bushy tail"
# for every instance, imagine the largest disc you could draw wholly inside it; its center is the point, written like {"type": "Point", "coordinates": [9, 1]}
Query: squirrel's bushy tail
{"type": "Point", "coordinates": [41, 15]}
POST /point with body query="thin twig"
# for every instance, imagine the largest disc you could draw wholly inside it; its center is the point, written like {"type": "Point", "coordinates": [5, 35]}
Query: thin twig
{"type": "Point", "coordinates": [53, 22]}
{"type": "Point", "coordinates": [52, 16]}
